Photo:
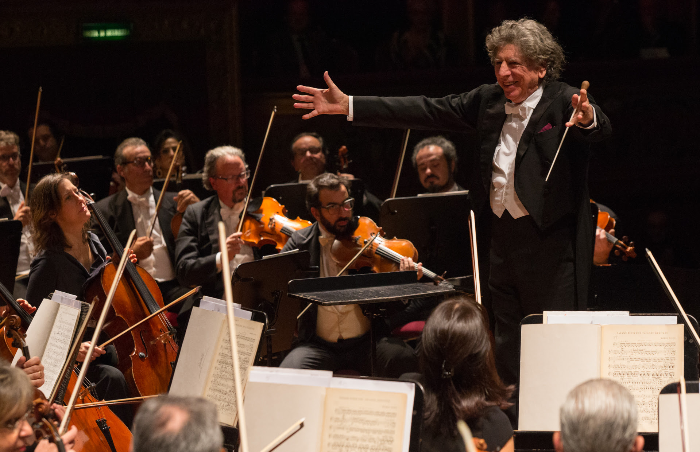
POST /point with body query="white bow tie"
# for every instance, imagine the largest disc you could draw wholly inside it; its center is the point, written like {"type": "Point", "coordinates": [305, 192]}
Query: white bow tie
{"type": "Point", "coordinates": [8, 192]}
{"type": "Point", "coordinates": [517, 110]}
{"type": "Point", "coordinates": [142, 201]}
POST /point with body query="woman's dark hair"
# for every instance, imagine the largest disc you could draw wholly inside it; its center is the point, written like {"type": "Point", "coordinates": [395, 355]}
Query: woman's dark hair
{"type": "Point", "coordinates": [456, 359]}
{"type": "Point", "coordinates": [169, 133]}
{"type": "Point", "coordinates": [45, 204]}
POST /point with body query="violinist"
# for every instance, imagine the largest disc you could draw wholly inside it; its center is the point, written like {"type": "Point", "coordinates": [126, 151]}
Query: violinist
{"type": "Point", "coordinates": [13, 206]}
{"type": "Point", "coordinates": [67, 254]}
{"type": "Point", "coordinates": [134, 207]}
{"type": "Point", "coordinates": [337, 337]}
{"type": "Point", "coordinates": [435, 160]}
{"type": "Point", "coordinates": [45, 142]}
{"type": "Point", "coordinates": [16, 396]}
{"type": "Point", "coordinates": [164, 147]}
{"type": "Point", "coordinates": [197, 249]}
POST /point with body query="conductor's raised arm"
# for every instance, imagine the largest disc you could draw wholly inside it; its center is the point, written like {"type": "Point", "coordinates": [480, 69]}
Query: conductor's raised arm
{"type": "Point", "coordinates": [330, 101]}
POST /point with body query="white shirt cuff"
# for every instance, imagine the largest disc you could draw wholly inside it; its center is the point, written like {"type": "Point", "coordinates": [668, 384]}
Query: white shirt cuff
{"type": "Point", "coordinates": [592, 126]}
{"type": "Point", "coordinates": [350, 112]}
{"type": "Point", "coordinates": [218, 261]}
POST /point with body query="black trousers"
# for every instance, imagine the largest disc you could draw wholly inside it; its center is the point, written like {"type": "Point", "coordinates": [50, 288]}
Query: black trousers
{"type": "Point", "coordinates": [530, 271]}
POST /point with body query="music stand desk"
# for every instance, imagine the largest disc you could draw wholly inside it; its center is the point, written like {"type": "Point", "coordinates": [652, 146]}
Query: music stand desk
{"type": "Point", "coordinates": [10, 242]}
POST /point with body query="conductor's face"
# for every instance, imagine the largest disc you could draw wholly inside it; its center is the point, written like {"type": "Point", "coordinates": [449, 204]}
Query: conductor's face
{"type": "Point", "coordinates": [517, 77]}
{"type": "Point", "coordinates": [231, 180]}
{"type": "Point", "coordinates": [335, 213]}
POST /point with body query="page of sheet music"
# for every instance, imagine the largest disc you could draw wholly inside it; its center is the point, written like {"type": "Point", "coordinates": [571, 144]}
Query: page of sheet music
{"type": "Point", "coordinates": [220, 386]}
{"type": "Point", "coordinates": [643, 358]}
{"type": "Point", "coordinates": [356, 420]}
{"type": "Point", "coordinates": [58, 345]}
{"type": "Point", "coordinates": [38, 331]}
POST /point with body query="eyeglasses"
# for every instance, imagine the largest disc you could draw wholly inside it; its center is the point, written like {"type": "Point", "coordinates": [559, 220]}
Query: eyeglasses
{"type": "Point", "coordinates": [334, 209]}
{"type": "Point", "coordinates": [302, 151]}
{"type": "Point", "coordinates": [140, 161]}
{"type": "Point", "coordinates": [241, 177]}
{"type": "Point", "coordinates": [7, 157]}
{"type": "Point", "coordinates": [14, 424]}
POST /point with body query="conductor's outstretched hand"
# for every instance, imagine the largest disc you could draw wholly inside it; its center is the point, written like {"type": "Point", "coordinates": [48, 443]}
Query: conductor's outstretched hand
{"type": "Point", "coordinates": [330, 101]}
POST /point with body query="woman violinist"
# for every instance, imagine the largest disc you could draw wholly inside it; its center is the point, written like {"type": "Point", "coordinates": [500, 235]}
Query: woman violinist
{"type": "Point", "coordinates": [16, 397]}
{"type": "Point", "coordinates": [67, 253]}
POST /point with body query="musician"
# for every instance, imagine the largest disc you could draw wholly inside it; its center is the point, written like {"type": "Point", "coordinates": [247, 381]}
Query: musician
{"type": "Point", "coordinates": [598, 416]}
{"type": "Point", "coordinates": [435, 160]}
{"type": "Point", "coordinates": [134, 208]}
{"type": "Point", "coordinates": [197, 248]}
{"type": "Point", "coordinates": [164, 147]}
{"type": "Point", "coordinates": [540, 256]}
{"type": "Point", "coordinates": [460, 380]}
{"type": "Point", "coordinates": [13, 206]}
{"type": "Point", "coordinates": [45, 143]}
{"type": "Point", "coordinates": [67, 254]}
{"type": "Point", "coordinates": [337, 337]}
{"type": "Point", "coordinates": [16, 396]}
{"type": "Point", "coordinates": [174, 424]}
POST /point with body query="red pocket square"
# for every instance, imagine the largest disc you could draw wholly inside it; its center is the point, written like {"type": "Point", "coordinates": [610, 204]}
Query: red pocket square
{"type": "Point", "coordinates": [545, 128]}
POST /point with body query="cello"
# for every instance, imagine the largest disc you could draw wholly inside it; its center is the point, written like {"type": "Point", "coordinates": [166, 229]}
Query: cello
{"type": "Point", "coordinates": [146, 355]}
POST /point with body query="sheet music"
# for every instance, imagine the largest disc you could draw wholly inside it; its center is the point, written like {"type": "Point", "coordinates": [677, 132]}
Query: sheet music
{"type": "Point", "coordinates": [643, 358]}
{"type": "Point", "coordinates": [356, 420]}
{"type": "Point", "coordinates": [220, 386]}
{"type": "Point", "coordinates": [58, 345]}
{"type": "Point", "coordinates": [38, 331]}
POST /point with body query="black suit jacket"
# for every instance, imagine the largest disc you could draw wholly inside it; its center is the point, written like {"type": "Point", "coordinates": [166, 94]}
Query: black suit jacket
{"type": "Point", "coordinates": [566, 192]}
{"type": "Point", "coordinates": [119, 215]}
{"type": "Point", "coordinates": [5, 208]}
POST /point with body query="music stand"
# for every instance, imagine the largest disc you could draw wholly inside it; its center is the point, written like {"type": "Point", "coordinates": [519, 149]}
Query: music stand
{"type": "Point", "coordinates": [189, 182]}
{"type": "Point", "coordinates": [437, 225]}
{"type": "Point", "coordinates": [10, 241]}
{"type": "Point", "coordinates": [262, 285]}
{"type": "Point", "coordinates": [94, 172]}
{"type": "Point", "coordinates": [369, 290]}
{"type": "Point", "coordinates": [293, 198]}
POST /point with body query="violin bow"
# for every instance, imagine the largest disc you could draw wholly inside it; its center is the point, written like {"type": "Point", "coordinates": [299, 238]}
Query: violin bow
{"type": "Point", "coordinates": [162, 192]}
{"type": "Point", "coordinates": [255, 174]}
{"type": "Point", "coordinates": [585, 86]}
{"type": "Point", "coordinates": [31, 152]}
{"type": "Point", "coordinates": [228, 293]}
{"type": "Point", "coordinates": [95, 336]}
{"type": "Point", "coordinates": [683, 407]}
{"type": "Point", "coordinates": [395, 187]}
{"type": "Point", "coordinates": [475, 257]}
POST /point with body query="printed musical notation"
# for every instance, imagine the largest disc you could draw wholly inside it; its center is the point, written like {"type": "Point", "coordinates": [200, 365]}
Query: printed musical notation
{"type": "Point", "coordinates": [58, 344]}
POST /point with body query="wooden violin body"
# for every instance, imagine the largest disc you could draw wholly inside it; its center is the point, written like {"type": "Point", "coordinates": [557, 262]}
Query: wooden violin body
{"type": "Point", "coordinates": [273, 227]}
{"type": "Point", "coordinates": [607, 223]}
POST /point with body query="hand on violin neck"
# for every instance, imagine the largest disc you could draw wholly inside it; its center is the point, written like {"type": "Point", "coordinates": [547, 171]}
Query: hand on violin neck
{"type": "Point", "coordinates": [28, 308]}
{"type": "Point", "coordinates": [132, 257]}
{"type": "Point", "coordinates": [184, 198]}
{"type": "Point", "coordinates": [68, 441]}
{"type": "Point", "coordinates": [407, 264]}
{"type": "Point", "coordinates": [34, 369]}
{"type": "Point", "coordinates": [82, 353]}
{"type": "Point", "coordinates": [602, 248]}
{"type": "Point", "coordinates": [330, 101]}
{"type": "Point", "coordinates": [143, 247]}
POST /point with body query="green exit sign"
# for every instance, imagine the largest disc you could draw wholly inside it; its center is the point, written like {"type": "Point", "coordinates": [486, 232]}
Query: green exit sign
{"type": "Point", "coordinates": [116, 31]}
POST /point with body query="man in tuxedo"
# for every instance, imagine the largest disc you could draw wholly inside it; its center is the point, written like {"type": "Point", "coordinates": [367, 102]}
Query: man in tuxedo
{"type": "Point", "coordinates": [337, 337]}
{"type": "Point", "coordinates": [134, 207]}
{"type": "Point", "coordinates": [13, 206]}
{"type": "Point", "coordinates": [541, 239]}
{"type": "Point", "coordinates": [197, 250]}
{"type": "Point", "coordinates": [435, 160]}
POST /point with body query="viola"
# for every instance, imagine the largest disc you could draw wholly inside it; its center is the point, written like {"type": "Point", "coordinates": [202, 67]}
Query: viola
{"type": "Point", "coordinates": [99, 429]}
{"type": "Point", "coordinates": [381, 256]}
{"type": "Point", "coordinates": [148, 353]}
{"type": "Point", "coordinates": [269, 225]}
{"type": "Point", "coordinates": [607, 223]}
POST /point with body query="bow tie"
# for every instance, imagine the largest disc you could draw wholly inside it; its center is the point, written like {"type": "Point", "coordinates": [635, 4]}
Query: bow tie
{"type": "Point", "coordinates": [325, 241]}
{"type": "Point", "coordinates": [142, 201]}
{"type": "Point", "coordinates": [516, 110]}
{"type": "Point", "coordinates": [8, 192]}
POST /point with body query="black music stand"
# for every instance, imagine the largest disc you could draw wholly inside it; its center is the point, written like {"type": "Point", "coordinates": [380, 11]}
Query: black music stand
{"type": "Point", "coordinates": [262, 285]}
{"type": "Point", "coordinates": [293, 198]}
{"type": "Point", "coordinates": [369, 290]}
{"type": "Point", "coordinates": [189, 182]}
{"type": "Point", "coordinates": [94, 172]}
{"type": "Point", "coordinates": [437, 225]}
{"type": "Point", "coordinates": [10, 241]}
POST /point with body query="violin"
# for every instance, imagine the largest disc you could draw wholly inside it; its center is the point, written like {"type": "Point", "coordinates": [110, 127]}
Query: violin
{"type": "Point", "coordinates": [99, 429]}
{"type": "Point", "coordinates": [269, 225]}
{"type": "Point", "coordinates": [148, 353]}
{"type": "Point", "coordinates": [381, 256]}
{"type": "Point", "coordinates": [607, 223]}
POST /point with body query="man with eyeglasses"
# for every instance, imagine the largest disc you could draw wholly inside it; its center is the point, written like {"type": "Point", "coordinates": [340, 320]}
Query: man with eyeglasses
{"type": "Point", "coordinates": [134, 208]}
{"type": "Point", "coordinates": [198, 253]}
{"type": "Point", "coordinates": [337, 337]}
{"type": "Point", "coordinates": [13, 206]}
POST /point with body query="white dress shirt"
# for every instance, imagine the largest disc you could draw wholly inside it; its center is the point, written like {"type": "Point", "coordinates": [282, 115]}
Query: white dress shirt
{"type": "Point", "coordinates": [230, 217]}
{"type": "Point", "coordinates": [158, 264]}
{"type": "Point", "coordinates": [337, 322]}
{"type": "Point", "coordinates": [15, 197]}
